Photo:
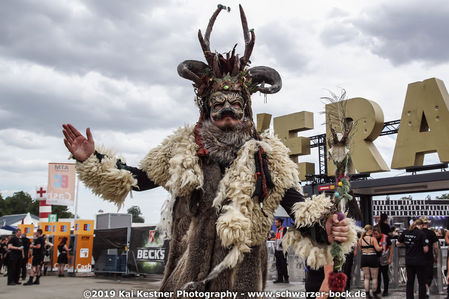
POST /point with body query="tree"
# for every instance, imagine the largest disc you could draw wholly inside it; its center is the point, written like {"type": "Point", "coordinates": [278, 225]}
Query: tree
{"type": "Point", "coordinates": [135, 212]}
{"type": "Point", "coordinates": [61, 211]}
{"type": "Point", "coordinates": [443, 196]}
{"type": "Point", "coordinates": [21, 203]}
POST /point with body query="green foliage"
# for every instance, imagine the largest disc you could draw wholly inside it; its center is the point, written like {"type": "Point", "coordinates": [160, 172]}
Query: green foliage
{"type": "Point", "coordinates": [443, 196]}
{"type": "Point", "coordinates": [62, 212]}
{"type": "Point", "coordinates": [135, 212]}
{"type": "Point", "coordinates": [21, 203]}
{"type": "Point", "coordinates": [338, 256]}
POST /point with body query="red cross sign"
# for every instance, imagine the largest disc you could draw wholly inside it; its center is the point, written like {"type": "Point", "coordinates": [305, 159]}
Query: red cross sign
{"type": "Point", "coordinates": [40, 193]}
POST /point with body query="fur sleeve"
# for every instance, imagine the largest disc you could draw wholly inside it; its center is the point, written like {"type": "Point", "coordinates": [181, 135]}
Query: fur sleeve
{"type": "Point", "coordinates": [174, 164]}
{"type": "Point", "coordinates": [307, 214]}
{"type": "Point", "coordinates": [104, 178]}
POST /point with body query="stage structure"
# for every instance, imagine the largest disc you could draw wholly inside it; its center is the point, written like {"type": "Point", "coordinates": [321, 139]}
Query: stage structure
{"type": "Point", "coordinates": [422, 129]}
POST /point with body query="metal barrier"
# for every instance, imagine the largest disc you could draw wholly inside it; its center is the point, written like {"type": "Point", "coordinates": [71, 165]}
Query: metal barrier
{"type": "Point", "coordinates": [397, 270]}
{"type": "Point", "coordinates": [398, 273]}
{"type": "Point", "coordinates": [295, 265]}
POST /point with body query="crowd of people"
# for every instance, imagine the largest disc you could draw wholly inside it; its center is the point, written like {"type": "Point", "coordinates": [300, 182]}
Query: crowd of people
{"type": "Point", "coordinates": [421, 245]}
{"type": "Point", "coordinates": [17, 252]}
{"type": "Point", "coordinates": [376, 250]}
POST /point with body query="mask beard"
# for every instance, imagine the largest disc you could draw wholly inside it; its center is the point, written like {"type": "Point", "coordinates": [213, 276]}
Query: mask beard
{"type": "Point", "coordinates": [223, 145]}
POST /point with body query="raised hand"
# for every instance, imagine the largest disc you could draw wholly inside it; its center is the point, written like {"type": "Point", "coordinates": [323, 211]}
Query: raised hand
{"type": "Point", "coordinates": [80, 146]}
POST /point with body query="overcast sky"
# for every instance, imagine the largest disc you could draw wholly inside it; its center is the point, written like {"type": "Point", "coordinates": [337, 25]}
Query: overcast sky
{"type": "Point", "coordinates": [111, 65]}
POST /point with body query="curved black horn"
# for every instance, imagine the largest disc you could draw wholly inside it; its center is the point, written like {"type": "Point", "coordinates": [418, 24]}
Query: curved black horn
{"type": "Point", "coordinates": [264, 74]}
{"type": "Point", "coordinates": [192, 70]}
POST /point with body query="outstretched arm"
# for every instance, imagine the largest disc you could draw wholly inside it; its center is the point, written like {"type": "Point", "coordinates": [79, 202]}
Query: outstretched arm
{"type": "Point", "coordinates": [101, 171]}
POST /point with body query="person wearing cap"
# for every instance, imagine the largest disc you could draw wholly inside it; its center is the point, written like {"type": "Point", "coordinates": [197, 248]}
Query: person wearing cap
{"type": "Point", "coordinates": [430, 258]}
{"type": "Point", "coordinates": [415, 242]}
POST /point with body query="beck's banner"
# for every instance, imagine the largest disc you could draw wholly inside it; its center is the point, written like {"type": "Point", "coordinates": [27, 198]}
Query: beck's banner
{"type": "Point", "coordinates": [61, 184]}
{"type": "Point", "coordinates": [149, 251]}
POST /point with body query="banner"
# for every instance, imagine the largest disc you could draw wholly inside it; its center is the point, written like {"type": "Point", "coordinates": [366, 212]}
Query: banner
{"type": "Point", "coordinates": [48, 228]}
{"type": "Point", "coordinates": [84, 227]}
{"type": "Point", "coordinates": [27, 229]}
{"type": "Point", "coordinates": [61, 184]}
{"type": "Point", "coordinates": [61, 229]}
{"type": "Point", "coordinates": [148, 250]}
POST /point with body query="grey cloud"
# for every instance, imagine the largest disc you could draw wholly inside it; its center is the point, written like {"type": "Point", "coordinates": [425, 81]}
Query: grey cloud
{"type": "Point", "coordinates": [45, 112]}
{"type": "Point", "coordinates": [338, 32]}
{"type": "Point", "coordinates": [123, 42]}
{"type": "Point", "coordinates": [336, 12]}
{"type": "Point", "coordinates": [22, 139]}
{"type": "Point", "coordinates": [401, 32]}
{"type": "Point", "coordinates": [119, 39]}
{"type": "Point", "coordinates": [285, 45]}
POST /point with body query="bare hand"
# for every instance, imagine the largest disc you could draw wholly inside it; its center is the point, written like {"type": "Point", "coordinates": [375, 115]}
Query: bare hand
{"type": "Point", "coordinates": [80, 147]}
{"type": "Point", "coordinates": [337, 230]}
{"type": "Point", "coordinates": [324, 284]}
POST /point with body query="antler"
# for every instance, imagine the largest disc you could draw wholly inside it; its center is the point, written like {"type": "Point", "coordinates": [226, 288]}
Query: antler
{"type": "Point", "coordinates": [205, 43]}
{"type": "Point", "coordinates": [249, 42]}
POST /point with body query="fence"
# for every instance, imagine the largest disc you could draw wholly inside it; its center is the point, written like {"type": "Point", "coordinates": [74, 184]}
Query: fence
{"type": "Point", "coordinates": [397, 271]}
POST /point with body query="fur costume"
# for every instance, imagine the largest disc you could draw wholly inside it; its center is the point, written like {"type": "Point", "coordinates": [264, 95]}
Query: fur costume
{"type": "Point", "coordinates": [202, 209]}
{"type": "Point", "coordinates": [225, 181]}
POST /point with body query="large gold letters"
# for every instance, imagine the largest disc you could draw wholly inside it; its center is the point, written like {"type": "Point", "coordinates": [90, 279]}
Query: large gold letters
{"type": "Point", "coordinates": [424, 129]}
{"type": "Point", "coordinates": [424, 124]}
{"type": "Point", "coordinates": [287, 128]}
{"type": "Point", "coordinates": [368, 120]}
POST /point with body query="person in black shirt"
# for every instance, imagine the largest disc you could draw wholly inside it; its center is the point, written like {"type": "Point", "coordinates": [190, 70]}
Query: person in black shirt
{"type": "Point", "coordinates": [38, 257]}
{"type": "Point", "coordinates": [3, 251]}
{"type": "Point", "coordinates": [63, 256]}
{"type": "Point", "coordinates": [383, 224]}
{"type": "Point", "coordinates": [15, 255]}
{"type": "Point", "coordinates": [430, 259]}
{"type": "Point", "coordinates": [26, 248]}
{"type": "Point", "coordinates": [415, 242]}
{"type": "Point", "coordinates": [385, 258]}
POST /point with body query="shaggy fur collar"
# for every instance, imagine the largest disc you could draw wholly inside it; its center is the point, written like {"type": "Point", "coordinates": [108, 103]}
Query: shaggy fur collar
{"type": "Point", "coordinates": [223, 145]}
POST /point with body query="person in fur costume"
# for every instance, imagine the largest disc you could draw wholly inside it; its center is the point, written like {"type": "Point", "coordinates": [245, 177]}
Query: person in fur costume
{"type": "Point", "coordinates": [225, 181]}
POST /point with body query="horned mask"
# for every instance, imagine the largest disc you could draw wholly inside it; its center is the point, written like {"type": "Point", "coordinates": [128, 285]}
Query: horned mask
{"type": "Point", "coordinates": [224, 85]}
